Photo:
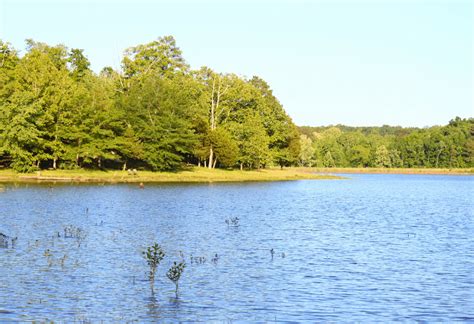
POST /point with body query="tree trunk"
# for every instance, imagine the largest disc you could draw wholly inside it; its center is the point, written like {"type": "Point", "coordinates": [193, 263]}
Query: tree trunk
{"type": "Point", "coordinates": [124, 166]}
{"type": "Point", "coordinates": [205, 163]}
{"type": "Point", "coordinates": [241, 166]}
{"type": "Point", "coordinates": [99, 162]}
{"type": "Point", "coordinates": [214, 165]}
{"type": "Point", "coordinates": [55, 159]}
{"type": "Point", "coordinates": [211, 157]}
{"type": "Point", "coordinates": [79, 141]}
{"type": "Point", "coordinates": [199, 163]}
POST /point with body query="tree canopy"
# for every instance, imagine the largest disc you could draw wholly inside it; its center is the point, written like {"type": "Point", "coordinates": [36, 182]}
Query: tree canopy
{"type": "Point", "coordinates": [155, 113]}
{"type": "Point", "coordinates": [450, 146]}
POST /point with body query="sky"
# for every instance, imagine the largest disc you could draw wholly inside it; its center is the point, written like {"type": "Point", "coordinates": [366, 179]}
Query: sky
{"type": "Point", "coordinates": [358, 63]}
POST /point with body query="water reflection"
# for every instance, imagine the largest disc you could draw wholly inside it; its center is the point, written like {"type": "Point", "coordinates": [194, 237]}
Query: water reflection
{"type": "Point", "coordinates": [154, 311]}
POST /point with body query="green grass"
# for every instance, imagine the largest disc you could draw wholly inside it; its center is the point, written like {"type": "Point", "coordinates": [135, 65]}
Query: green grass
{"type": "Point", "coordinates": [205, 175]}
{"type": "Point", "coordinates": [192, 175]}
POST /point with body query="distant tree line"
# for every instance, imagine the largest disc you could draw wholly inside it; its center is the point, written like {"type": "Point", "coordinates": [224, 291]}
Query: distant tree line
{"type": "Point", "coordinates": [450, 146]}
{"type": "Point", "coordinates": [155, 113]}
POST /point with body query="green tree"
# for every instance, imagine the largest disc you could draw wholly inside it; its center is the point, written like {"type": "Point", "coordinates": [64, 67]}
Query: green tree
{"type": "Point", "coordinates": [37, 106]}
{"type": "Point", "coordinates": [328, 161]}
{"type": "Point", "coordinates": [284, 139]}
{"type": "Point", "coordinates": [79, 64]}
{"type": "Point", "coordinates": [225, 147]}
{"type": "Point", "coordinates": [360, 156]}
{"type": "Point", "coordinates": [158, 116]}
{"type": "Point", "coordinates": [215, 88]}
{"type": "Point", "coordinates": [98, 132]}
{"type": "Point", "coordinates": [252, 141]}
{"type": "Point", "coordinates": [395, 158]}
{"type": "Point", "coordinates": [8, 61]}
{"type": "Point", "coordinates": [382, 157]}
{"type": "Point", "coordinates": [307, 151]}
{"type": "Point", "coordinates": [160, 57]}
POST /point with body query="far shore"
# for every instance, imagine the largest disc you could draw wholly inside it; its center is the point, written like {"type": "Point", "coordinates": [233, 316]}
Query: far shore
{"type": "Point", "coordinates": [192, 175]}
{"type": "Point", "coordinates": [465, 171]}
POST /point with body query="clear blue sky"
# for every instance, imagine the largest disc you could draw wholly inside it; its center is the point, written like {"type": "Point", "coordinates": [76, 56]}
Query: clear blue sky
{"type": "Point", "coordinates": [406, 62]}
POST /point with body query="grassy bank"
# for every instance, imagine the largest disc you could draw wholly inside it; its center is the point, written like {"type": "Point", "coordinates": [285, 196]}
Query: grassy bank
{"type": "Point", "coordinates": [466, 171]}
{"type": "Point", "coordinates": [191, 175]}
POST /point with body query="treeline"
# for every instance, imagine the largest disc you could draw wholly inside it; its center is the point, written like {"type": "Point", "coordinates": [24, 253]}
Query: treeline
{"type": "Point", "coordinates": [450, 146]}
{"type": "Point", "coordinates": [155, 113]}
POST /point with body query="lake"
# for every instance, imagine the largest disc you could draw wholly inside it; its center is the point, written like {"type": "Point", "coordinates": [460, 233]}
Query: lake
{"type": "Point", "coordinates": [372, 248]}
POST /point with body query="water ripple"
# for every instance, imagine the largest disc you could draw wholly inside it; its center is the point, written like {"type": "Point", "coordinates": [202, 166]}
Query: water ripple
{"type": "Point", "coordinates": [374, 248]}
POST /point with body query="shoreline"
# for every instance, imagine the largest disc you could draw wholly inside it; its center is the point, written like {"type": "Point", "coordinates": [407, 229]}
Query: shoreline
{"type": "Point", "coordinates": [204, 175]}
{"type": "Point", "coordinates": [194, 175]}
{"type": "Point", "coordinates": [421, 171]}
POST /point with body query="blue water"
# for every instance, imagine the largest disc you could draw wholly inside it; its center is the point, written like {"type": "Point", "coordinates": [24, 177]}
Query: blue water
{"type": "Point", "coordinates": [372, 248]}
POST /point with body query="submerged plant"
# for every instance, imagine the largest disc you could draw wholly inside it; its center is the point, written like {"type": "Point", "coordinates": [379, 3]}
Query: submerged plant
{"type": "Point", "coordinates": [198, 259]}
{"type": "Point", "coordinates": [175, 272]}
{"type": "Point", "coordinates": [153, 256]}
{"type": "Point", "coordinates": [75, 232]}
{"type": "Point", "coordinates": [233, 221]}
{"type": "Point", "coordinates": [5, 241]}
{"type": "Point", "coordinates": [49, 257]}
{"type": "Point", "coordinates": [62, 260]}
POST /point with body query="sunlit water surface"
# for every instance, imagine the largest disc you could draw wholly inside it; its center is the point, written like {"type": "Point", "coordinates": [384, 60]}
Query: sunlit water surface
{"type": "Point", "coordinates": [373, 248]}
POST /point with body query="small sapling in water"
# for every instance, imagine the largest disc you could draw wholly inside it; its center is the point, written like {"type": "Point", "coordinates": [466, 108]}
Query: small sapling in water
{"type": "Point", "coordinates": [175, 272]}
{"type": "Point", "coordinates": [49, 257]}
{"type": "Point", "coordinates": [198, 259]}
{"type": "Point", "coordinates": [153, 256]}
{"type": "Point", "coordinates": [215, 259]}
{"type": "Point", "coordinates": [5, 241]}
{"type": "Point", "coordinates": [233, 221]}
{"type": "Point", "coordinates": [62, 260]}
{"type": "Point", "coordinates": [14, 241]}
{"type": "Point", "coordinates": [78, 233]}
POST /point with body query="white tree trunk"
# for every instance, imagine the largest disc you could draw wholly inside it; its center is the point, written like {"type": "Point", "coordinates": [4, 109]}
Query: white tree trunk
{"type": "Point", "coordinates": [211, 157]}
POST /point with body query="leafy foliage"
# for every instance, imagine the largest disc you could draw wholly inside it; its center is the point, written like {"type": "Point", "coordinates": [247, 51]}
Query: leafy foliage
{"type": "Point", "coordinates": [157, 113]}
{"type": "Point", "coordinates": [449, 146]}
{"type": "Point", "coordinates": [175, 272]}
{"type": "Point", "coordinates": [153, 256]}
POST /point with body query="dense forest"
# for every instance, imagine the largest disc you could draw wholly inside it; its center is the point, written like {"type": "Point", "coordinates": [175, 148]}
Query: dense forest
{"type": "Point", "coordinates": [157, 113]}
{"type": "Point", "coordinates": [450, 146]}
